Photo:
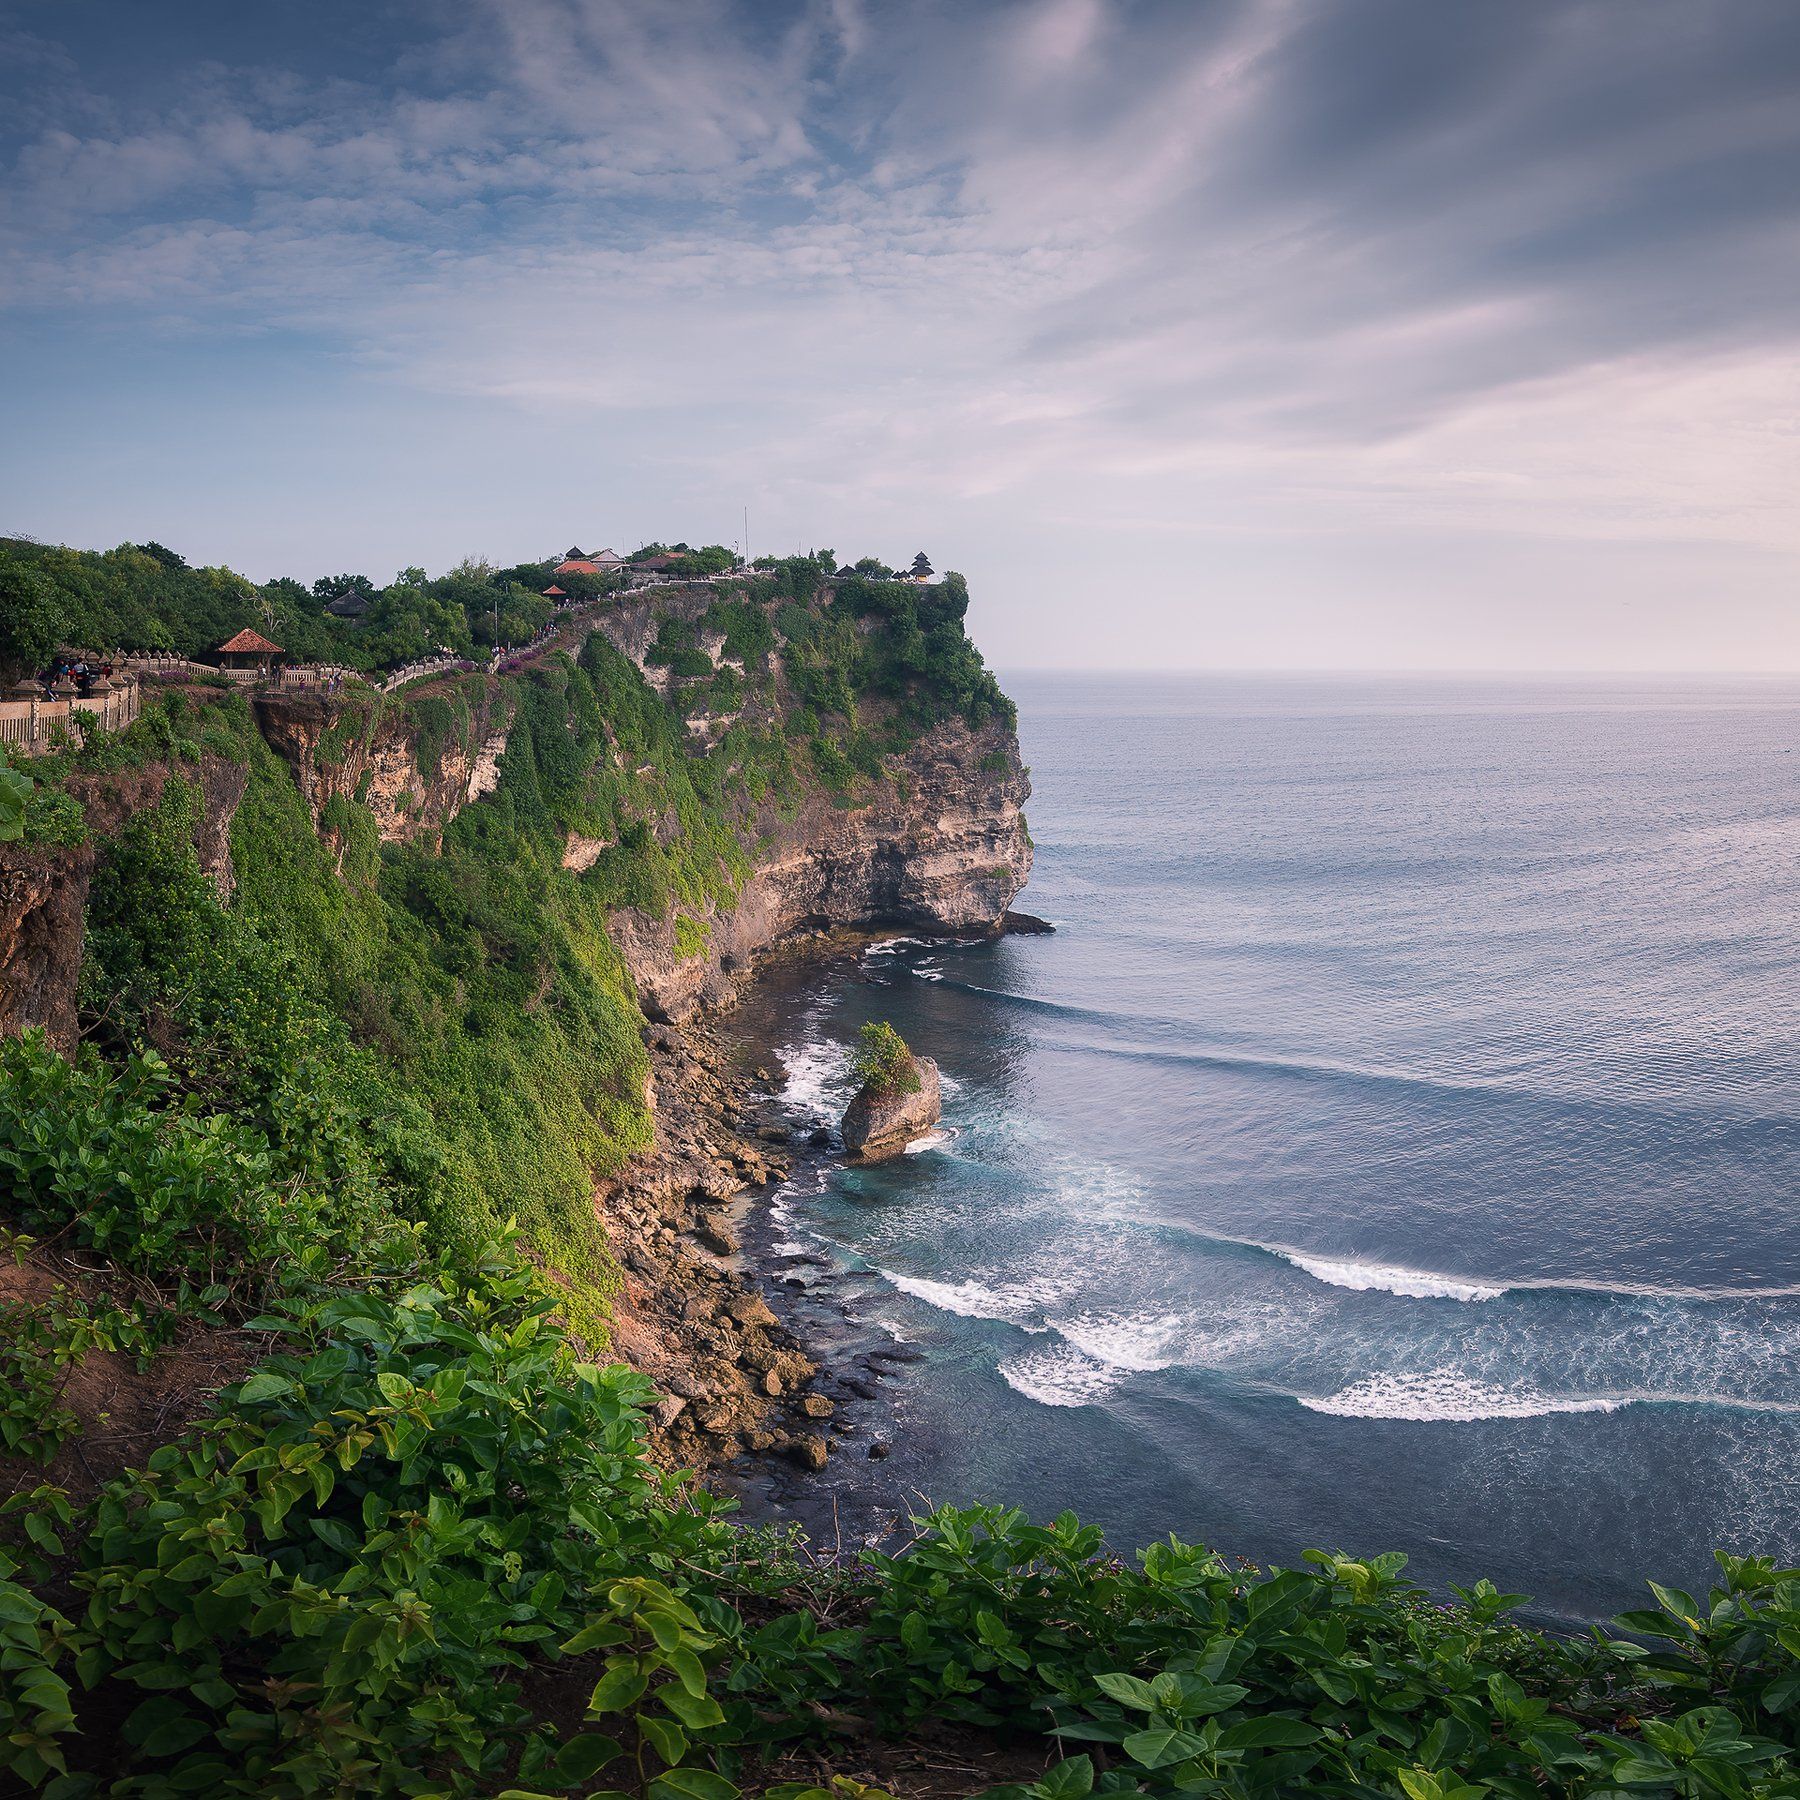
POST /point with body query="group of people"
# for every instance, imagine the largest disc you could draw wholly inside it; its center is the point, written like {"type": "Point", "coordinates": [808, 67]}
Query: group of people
{"type": "Point", "coordinates": [76, 669]}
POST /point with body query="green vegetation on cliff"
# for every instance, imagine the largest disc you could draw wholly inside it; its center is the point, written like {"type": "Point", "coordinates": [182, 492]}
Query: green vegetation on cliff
{"type": "Point", "coordinates": [335, 1136]}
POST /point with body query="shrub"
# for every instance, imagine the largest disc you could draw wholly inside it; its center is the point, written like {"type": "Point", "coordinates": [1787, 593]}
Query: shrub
{"type": "Point", "coordinates": [883, 1063]}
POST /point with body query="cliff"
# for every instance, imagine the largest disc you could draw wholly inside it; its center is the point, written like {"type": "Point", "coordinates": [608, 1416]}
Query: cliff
{"type": "Point", "coordinates": [444, 916]}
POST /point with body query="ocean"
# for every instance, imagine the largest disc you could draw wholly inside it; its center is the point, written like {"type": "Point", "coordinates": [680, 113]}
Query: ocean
{"type": "Point", "coordinates": [1397, 1145]}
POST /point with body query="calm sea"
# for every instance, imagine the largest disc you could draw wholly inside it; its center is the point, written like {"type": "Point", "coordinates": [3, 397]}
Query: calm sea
{"type": "Point", "coordinates": [1396, 1147]}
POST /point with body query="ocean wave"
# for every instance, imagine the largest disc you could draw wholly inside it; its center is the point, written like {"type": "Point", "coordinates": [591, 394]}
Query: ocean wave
{"type": "Point", "coordinates": [1449, 1396]}
{"type": "Point", "coordinates": [816, 1077]}
{"type": "Point", "coordinates": [1413, 1284]}
{"type": "Point", "coordinates": [1060, 1376]}
{"type": "Point", "coordinates": [932, 1140]}
{"type": "Point", "coordinates": [1015, 1303]}
{"type": "Point", "coordinates": [1446, 1396]}
{"type": "Point", "coordinates": [1134, 1341]}
{"type": "Point", "coordinates": [1492, 1086]}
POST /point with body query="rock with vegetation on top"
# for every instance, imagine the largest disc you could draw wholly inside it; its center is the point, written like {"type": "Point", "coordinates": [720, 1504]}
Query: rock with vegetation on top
{"type": "Point", "coordinates": [897, 1098]}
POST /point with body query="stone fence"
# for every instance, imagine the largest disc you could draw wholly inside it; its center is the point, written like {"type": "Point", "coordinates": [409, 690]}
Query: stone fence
{"type": "Point", "coordinates": [30, 725]}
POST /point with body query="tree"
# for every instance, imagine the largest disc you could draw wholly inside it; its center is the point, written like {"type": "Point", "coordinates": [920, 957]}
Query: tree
{"type": "Point", "coordinates": [921, 565]}
{"type": "Point", "coordinates": [328, 587]}
{"type": "Point", "coordinates": [883, 1064]}
{"type": "Point", "coordinates": [32, 618]}
{"type": "Point", "coordinates": [170, 559]}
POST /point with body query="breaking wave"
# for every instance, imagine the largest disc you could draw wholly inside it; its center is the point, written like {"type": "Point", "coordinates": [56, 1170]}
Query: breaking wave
{"type": "Point", "coordinates": [1415, 1284]}
{"type": "Point", "coordinates": [1060, 1375]}
{"type": "Point", "coordinates": [1446, 1396]}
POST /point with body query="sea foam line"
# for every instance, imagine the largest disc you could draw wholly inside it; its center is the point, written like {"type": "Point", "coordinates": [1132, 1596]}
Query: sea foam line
{"type": "Point", "coordinates": [1414, 1284]}
{"type": "Point", "coordinates": [1446, 1396]}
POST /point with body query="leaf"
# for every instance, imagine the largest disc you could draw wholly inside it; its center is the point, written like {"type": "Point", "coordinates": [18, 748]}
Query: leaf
{"type": "Point", "coordinates": [1675, 1602]}
{"type": "Point", "coordinates": [264, 1385]}
{"type": "Point", "coordinates": [696, 1711]}
{"type": "Point", "coordinates": [1128, 1690]}
{"type": "Point", "coordinates": [669, 1740]}
{"type": "Point", "coordinates": [1271, 1732]}
{"type": "Point", "coordinates": [1156, 1749]}
{"type": "Point", "coordinates": [582, 1758]}
{"type": "Point", "coordinates": [174, 1735]}
{"type": "Point", "coordinates": [621, 1686]}
{"type": "Point", "coordinates": [601, 1634]}
{"type": "Point", "coordinates": [692, 1784]}
{"type": "Point", "coordinates": [1071, 1779]}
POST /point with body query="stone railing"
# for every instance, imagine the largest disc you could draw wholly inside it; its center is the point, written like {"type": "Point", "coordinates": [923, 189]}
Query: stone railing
{"type": "Point", "coordinates": [33, 726]}
{"type": "Point", "coordinates": [314, 677]}
{"type": "Point", "coordinates": [426, 665]}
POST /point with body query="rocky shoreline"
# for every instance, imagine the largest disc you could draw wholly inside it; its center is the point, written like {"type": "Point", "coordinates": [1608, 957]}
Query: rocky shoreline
{"type": "Point", "coordinates": [743, 1378]}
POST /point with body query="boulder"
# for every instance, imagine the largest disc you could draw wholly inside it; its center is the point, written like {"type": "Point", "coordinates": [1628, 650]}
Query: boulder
{"type": "Point", "coordinates": [881, 1124]}
{"type": "Point", "coordinates": [809, 1452]}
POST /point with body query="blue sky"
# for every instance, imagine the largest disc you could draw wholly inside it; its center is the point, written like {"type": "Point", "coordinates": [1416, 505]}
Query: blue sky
{"type": "Point", "coordinates": [1214, 333]}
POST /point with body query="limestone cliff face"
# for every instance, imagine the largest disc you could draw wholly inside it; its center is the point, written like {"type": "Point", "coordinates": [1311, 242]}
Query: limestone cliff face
{"type": "Point", "coordinates": [944, 850]}
{"type": "Point", "coordinates": [940, 846]}
{"type": "Point", "coordinates": [358, 751]}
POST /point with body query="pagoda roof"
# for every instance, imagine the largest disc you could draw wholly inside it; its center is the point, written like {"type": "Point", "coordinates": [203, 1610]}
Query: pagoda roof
{"type": "Point", "coordinates": [249, 643]}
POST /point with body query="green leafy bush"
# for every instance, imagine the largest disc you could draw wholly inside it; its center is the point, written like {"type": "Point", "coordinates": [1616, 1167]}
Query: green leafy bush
{"type": "Point", "coordinates": [883, 1063]}
{"type": "Point", "coordinates": [115, 1161]}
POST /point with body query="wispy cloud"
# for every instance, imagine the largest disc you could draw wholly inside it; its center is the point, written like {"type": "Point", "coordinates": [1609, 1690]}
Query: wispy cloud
{"type": "Point", "coordinates": [1252, 265]}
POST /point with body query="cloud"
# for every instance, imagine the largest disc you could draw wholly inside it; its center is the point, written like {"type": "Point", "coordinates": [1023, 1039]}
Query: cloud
{"type": "Point", "coordinates": [1252, 265]}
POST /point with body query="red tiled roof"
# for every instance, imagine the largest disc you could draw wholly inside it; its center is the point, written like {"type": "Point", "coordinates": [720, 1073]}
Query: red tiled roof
{"type": "Point", "coordinates": [553, 591]}
{"type": "Point", "coordinates": [576, 566]}
{"type": "Point", "coordinates": [249, 643]}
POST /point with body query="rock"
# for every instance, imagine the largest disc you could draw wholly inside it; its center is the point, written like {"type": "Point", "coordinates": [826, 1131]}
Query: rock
{"type": "Point", "coordinates": [816, 1406]}
{"type": "Point", "coordinates": [772, 1134]}
{"type": "Point", "coordinates": [809, 1452]}
{"type": "Point", "coordinates": [819, 1138]}
{"type": "Point", "coordinates": [863, 1390]}
{"type": "Point", "coordinates": [878, 1451]}
{"type": "Point", "coordinates": [716, 1238]}
{"type": "Point", "coordinates": [759, 1440]}
{"type": "Point", "coordinates": [1024, 924]}
{"type": "Point", "coordinates": [771, 1384]}
{"type": "Point", "coordinates": [751, 1309]}
{"type": "Point", "coordinates": [878, 1125]}
{"type": "Point", "coordinates": [668, 1410]}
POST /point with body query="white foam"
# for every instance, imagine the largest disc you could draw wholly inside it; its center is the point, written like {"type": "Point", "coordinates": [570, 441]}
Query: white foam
{"type": "Point", "coordinates": [1018, 1303]}
{"type": "Point", "coordinates": [1416, 1284]}
{"type": "Point", "coordinates": [817, 1077]}
{"type": "Point", "coordinates": [1139, 1341]}
{"type": "Point", "coordinates": [1445, 1396]}
{"type": "Point", "coordinates": [932, 1140]}
{"type": "Point", "coordinates": [1059, 1376]}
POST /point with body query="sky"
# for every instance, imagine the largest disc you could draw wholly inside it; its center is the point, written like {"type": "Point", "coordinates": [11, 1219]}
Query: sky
{"type": "Point", "coordinates": [1397, 334]}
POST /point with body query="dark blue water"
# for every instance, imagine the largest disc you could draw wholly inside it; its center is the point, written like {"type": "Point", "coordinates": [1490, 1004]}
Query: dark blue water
{"type": "Point", "coordinates": [1397, 1145]}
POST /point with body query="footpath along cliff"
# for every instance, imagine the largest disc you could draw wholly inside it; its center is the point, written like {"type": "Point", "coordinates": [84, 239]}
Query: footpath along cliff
{"type": "Point", "coordinates": [507, 903]}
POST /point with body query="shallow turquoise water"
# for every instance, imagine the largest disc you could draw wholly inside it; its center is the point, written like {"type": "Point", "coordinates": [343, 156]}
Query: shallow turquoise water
{"type": "Point", "coordinates": [1396, 1146]}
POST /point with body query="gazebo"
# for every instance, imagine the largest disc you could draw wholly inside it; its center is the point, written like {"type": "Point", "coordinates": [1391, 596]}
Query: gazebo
{"type": "Point", "coordinates": [250, 650]}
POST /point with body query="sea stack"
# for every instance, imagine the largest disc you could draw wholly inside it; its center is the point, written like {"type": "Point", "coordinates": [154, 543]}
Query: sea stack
{"type": "Point", "coordinates": [897, 1099]}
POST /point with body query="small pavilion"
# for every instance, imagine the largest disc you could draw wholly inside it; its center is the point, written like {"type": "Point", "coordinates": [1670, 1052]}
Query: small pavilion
{"type": "Point", "coordinates": [250, 650]}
